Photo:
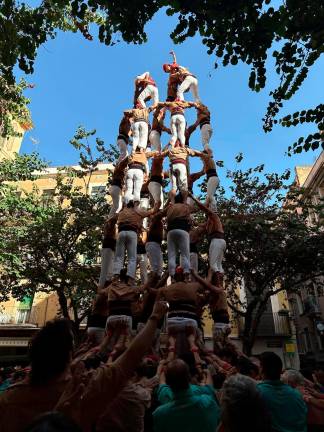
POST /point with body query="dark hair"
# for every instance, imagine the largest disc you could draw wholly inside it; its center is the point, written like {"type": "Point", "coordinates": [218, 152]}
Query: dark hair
{"type": "Point", "coordinates": [130, 204]}
{"type": "Point", "coordinates": [189, 359]}
{"type": "Point", "coordinates": [178, 199]}
{"type": "Point", "coordinates": [246, 367]}
{"type": "Point", "coordinates": [271, 365]}
{"type": "Point", "coordinates": [177, 375]}
{"type": "Point", "coordinates": [242, 406]}
{"type": "Point", "coordinates": [53, 422]}
{"type": "Point", "coordinates": [123, 275]}
{"type": "Point", "coordinates": [50, 350]}
{"type": "Point", "coordinates": [218, 380]}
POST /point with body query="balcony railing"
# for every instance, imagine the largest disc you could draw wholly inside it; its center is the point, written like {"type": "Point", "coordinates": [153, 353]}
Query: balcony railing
{"type": "Point", "coordinates": [14, 316]}
{"type": "Point", "coordinates": [271, 324]}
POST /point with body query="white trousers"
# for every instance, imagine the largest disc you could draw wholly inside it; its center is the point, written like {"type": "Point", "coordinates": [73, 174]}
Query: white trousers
{"type": "Point", "coordinates": [150, 91]}
{"type": "Point", "coordinates": [155, 140]}
{"type": "Point", "coordinates": [107, 261]}
{"type": "Point", "coordinates": [154, 254]}
{"type": "Point", "coordinates": [178, 241]}
{"type": "Point", "coordinates": [178, 128]}
{"type": "Point", "coordinates": [117, 322]}
{"type": "Point", "coordinates": [123, 152]}
{"type": "Point", "coordinates": [206, 133]}
{"type": "Point", "coordinates": [193, 261]}
{"type": "Point", "coordinates": [134, 183]}
{"type": "Point", "coordinates": [216, 254]}
{"type": "Point", "coordinates": [144, 204]}
{"type": "Point", "coordinates": [212, 184]}
{"type": "Point", "coordinates": [156, 191]}
{"type": "Point", "coordinates": [179, 179]}
{"type": "Point", "coordinates": [142, 262]}
{"type": "Point", "coordinates": [126, 241]}
{"type": "Point", "coordinates": [140, 134]}
{"type": "Point", "coordinates": [96, 334]}
{"type": "Point", "coordinates": [176, 324]}
{"type": "Point", "coordinates": [116, 196]}
{"type": "Point", "coordinates": [189, 83]}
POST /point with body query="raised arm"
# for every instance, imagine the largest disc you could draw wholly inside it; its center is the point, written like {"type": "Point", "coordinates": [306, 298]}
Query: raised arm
{"type": "Point", "coordinates": [206, 284]}
{"type": "Point", "coordinates": [201, 205]}
{"type": "Point", "coordinates": [87, 393]}
{"type": "Point", "coordinates": [123, 163]}
{"type": "Point", "coordinates": [193, 127]}
{"type": "Point", "coordinates": [142, 342]}
{"type": "Point", "coordinates": [193, 152]}
{"type": "Point", "coordinates": [173, 56]}
{"type": "Point", "coordinates": [195, 176]}
{"type": "Point", "coordinates": [166, 129]}
{"type": "Point", "coordinates": [153, 211]}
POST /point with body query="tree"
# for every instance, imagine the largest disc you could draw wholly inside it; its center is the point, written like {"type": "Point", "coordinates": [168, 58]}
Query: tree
{"type": "Point", "coordinates": [53, 246]}
{"type": "Point", "coordinates": [270, 246]}
{"type": "Point", "coordinates": [240, 30]}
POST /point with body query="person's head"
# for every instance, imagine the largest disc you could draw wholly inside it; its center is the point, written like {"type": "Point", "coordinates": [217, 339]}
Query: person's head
{"type": "Point", "coordinates": [177, 143]}
{"type": "Point", "coordinates": [293, 378]}
{"type": "Point", "coordinates": [51, 351]}
{"type": "Point", "coordinates": [189, 358]}
{"type": "Point", "coordinates": [271, 366]}
{"type": "Point", "coordinates": [53, 422]}
{"type": "Point", "coordinates": [123, 275]}
{"type": "Point", "coordinates": [242, 407]}
{"type": "Point", "coordinates": [147, 368]}
{"type": "Point", "coordinates": [130, 204]}
{"type": "Point", "coordinates": [178, 199]}
{"type": "Point", "coordinates": [179, 275]}
{"type": "Point", "coordinates": [166, 67]}
{"type": "Point", "coordinates": [177, 375]}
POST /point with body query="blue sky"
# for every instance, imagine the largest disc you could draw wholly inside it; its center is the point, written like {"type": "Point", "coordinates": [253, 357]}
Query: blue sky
{"type": "Point", "coordinates": [81, 82]}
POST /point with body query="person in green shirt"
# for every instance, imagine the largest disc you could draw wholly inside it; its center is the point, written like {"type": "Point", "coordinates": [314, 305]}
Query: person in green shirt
{"type": "Point", "coordinates": [189, 410]}
{"type": "Point", "coordinates": [287, 409]}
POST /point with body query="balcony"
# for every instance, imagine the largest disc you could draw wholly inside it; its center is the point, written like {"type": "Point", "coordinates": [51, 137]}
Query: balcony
{"type": "Point", "coordinates": [14, 316]}
{"type": "Point", "coordinates": [271, 324]}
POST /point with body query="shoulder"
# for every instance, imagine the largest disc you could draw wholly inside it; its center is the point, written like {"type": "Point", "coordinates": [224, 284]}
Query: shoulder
{"type": "Point", "coordinates": [11, 393]}
{"type": "Point", "coordinates": [163, 410]}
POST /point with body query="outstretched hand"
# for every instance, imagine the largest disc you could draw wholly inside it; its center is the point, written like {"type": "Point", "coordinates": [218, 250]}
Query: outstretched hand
{"type": "Point", "coordinates": [160, 309]}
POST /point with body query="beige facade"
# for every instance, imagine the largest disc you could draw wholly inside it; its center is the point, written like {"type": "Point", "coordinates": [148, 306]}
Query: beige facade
{"type": "Point", "coordinates": [45, 306]}
{"type": "Point", "coordinates": [308, 305]}
{"type": "Point", "coordinates": [11, 145]}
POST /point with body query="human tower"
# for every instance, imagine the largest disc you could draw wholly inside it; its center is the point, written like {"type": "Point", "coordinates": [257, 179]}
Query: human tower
{"type": "Point", "coordinates": [139, 222]}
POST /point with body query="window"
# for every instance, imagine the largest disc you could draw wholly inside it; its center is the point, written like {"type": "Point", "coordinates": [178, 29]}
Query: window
{"type": "Point", "coordinates": [22, 316]}
{"type": "Point", "coordinates": [308, 343]}
{"type": "Point", "coordinates": [300, 306]}
{"type": "Point", "coordinates": [48, 195]}
{"type": "Point", "coordinates": [97, 191]}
